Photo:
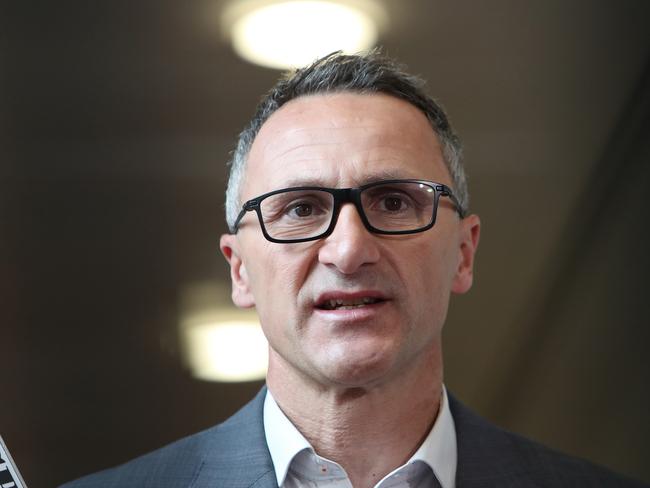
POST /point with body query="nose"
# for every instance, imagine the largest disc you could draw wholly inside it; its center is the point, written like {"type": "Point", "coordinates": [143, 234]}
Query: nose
{"type": "Point", "coordinates": [350, 245]}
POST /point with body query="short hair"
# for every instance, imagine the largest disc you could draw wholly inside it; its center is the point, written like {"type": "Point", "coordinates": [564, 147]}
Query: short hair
{"type": "Point", "coordinates": [367, 73]}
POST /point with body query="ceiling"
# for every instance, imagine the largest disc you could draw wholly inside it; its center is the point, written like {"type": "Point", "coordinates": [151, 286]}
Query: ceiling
{"type": "Point", "coordinates": [117, 120]}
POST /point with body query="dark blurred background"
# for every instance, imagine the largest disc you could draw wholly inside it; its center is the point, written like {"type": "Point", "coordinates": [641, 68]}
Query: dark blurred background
{"type": "Point", "coordinates": [116, 119]}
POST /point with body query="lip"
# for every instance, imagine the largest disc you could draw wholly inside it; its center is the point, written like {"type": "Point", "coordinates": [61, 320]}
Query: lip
{"type": "Point", "coordinates": [351, 314]}
{"type": "Point", "coordinates": [346, 295]}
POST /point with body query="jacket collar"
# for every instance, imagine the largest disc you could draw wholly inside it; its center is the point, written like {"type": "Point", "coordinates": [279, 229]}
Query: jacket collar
{"type": "Point", "coordinates": [487, 455]}
{"type": "Point", "coordinates": [238, 456]}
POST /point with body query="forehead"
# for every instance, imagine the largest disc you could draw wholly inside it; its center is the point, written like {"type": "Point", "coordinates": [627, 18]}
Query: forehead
{"type": "Point", "coordinates": [343, 139]}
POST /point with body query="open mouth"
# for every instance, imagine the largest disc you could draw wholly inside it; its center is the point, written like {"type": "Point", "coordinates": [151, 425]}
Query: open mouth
{"type": "Point", "coordinates": [347, 304]}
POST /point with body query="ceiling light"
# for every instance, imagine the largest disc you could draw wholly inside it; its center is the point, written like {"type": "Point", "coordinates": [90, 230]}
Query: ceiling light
{"type": "Point", "coordinates": [226, 351]}
{"type": "Point", "coordinates": [293, 33]}
{"type": "Point", "coordinates": [220, 342]}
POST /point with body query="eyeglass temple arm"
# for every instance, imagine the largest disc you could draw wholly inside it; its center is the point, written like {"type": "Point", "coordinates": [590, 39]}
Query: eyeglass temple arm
{"type": "Point", "coordinates": [445, 191]}
{"type": "Point", "coordinates": [247, 207]}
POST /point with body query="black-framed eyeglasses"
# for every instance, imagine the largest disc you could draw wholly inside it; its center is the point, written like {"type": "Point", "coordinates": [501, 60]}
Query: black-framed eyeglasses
{"type": "Point", "coordinates": [308, 213]}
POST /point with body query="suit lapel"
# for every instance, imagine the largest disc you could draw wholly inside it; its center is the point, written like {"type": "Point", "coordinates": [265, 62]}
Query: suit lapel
{"type": "Point", "coordinates": [237, 455]}
{"type": "Point", "coordinates": [487, 455]}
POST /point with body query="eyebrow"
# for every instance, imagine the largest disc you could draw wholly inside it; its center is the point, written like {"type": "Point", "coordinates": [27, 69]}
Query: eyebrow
{"type": "Point", "coordinates": [370, 178]}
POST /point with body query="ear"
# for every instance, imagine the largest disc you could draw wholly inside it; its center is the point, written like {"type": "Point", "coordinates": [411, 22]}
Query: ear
{"type": "Point", "coordinates": [470, 231]}
{"type": "Point", "coordinates": [242, 295]}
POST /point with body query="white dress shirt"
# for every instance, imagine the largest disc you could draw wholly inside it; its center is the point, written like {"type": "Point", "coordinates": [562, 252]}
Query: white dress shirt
{"type": "Point", "coordinates": [298, 466]}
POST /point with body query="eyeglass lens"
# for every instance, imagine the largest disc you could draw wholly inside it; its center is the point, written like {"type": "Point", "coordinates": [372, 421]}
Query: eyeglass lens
{"type": "Point", "coordinates": [299, 214]}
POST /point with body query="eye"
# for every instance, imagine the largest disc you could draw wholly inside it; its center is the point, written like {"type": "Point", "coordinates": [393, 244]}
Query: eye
{"type": "Point", "coordinates": [393, 203]}
{"type": "Point", "coordinates": [301, 209]}
{"type": "Point", "coordinates": [305, 208]}
{"type": "Point", "coordinates": [296, 207]}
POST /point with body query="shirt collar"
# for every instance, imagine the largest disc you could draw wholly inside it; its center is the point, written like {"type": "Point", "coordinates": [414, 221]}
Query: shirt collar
{"type": "Point", "coordinates": [438, 449]}
{"type": "Point", "coordinates": [282, 437]}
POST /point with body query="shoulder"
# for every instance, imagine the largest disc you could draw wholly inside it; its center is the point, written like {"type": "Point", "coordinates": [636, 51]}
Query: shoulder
{"type": "Point", "coordinates": [182, 459]}
{"type": "Point", "coordinates": [179, 464]}
{"type": "Point", "coordinates": [491, 456]}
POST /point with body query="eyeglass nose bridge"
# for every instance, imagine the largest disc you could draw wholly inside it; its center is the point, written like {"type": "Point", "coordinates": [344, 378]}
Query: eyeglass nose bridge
{"type": "Point", "coordinates": [347, 195]}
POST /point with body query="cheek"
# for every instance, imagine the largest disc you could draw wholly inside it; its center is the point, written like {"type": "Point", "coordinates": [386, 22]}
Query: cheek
{"type": "Point", "coordinates": [276, 276]}
{"type": "Point", "coordinates": [431, 274]}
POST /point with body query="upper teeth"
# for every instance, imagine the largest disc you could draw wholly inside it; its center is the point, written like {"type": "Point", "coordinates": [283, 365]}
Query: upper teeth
{"type": "Point", "coordinates": [354, 302]}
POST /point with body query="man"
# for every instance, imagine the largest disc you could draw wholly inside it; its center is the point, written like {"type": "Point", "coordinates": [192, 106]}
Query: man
{"type": "Point", "coordinates": [347, 206]}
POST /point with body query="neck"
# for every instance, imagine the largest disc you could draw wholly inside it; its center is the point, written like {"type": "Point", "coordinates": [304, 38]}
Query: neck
{"type": "Point", "coordinates": [369, 430]}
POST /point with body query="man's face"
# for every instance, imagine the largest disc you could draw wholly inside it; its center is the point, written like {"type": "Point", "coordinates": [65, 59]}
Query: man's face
{"type": "Point", "coordinates": [339, 141]}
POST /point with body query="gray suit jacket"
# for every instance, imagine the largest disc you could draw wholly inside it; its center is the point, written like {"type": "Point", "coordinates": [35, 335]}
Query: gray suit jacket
{"type": "Point", "coordinates": [234, 455]}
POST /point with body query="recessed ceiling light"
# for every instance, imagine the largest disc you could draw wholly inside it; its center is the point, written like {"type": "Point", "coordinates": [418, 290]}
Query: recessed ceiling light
{"type": "Point", "coordinates": [291, 33]}
{"type": "Point", "coordinates": [226, 351]}
{"type": "Point", "coordinates": [220, 342]}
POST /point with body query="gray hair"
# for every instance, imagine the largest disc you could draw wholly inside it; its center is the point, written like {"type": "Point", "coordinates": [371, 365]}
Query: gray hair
{"type": "Point", "coordinates": [364, 73]}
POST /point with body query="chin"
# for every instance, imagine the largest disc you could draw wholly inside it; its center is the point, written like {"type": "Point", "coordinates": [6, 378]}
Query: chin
{"type": "Point", "coordinates": [357, 369]}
